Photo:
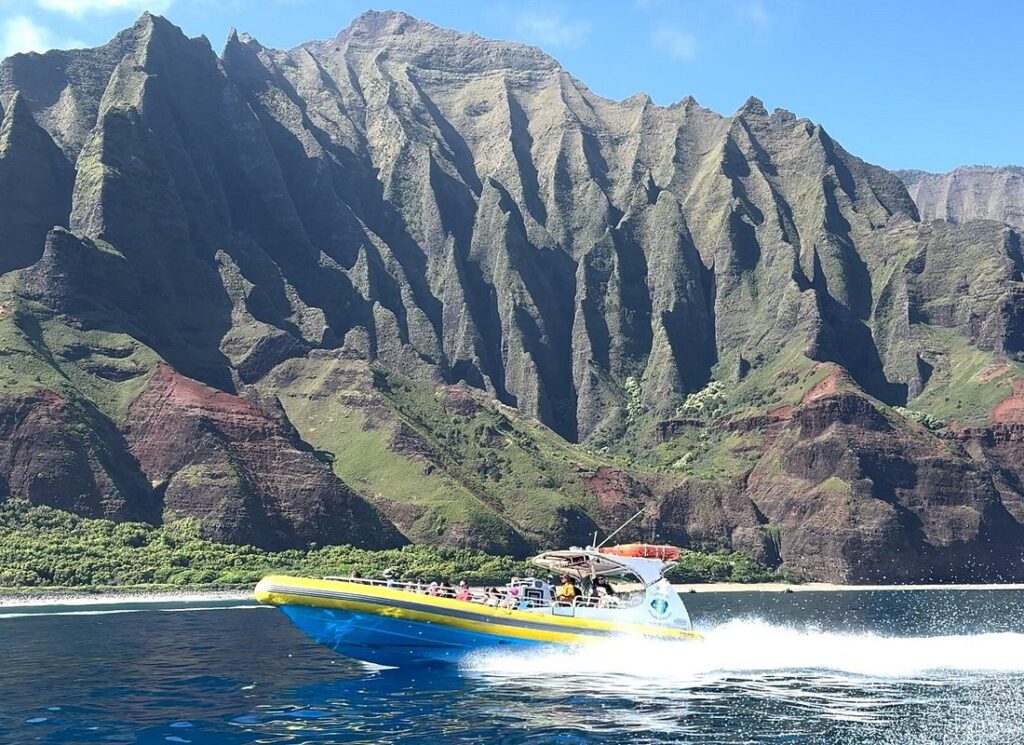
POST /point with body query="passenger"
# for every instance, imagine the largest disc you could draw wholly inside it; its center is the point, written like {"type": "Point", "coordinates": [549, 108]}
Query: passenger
{"type": "Point", "coordinates": [605, 594]}
{"type": "Point", "coordinates": [446, 590]}
{"type": "Point", "coordinates": [389, 578]}
{"type": "Point", "coordinates": [511, 598]}
{"type": "Point", "coordinates": [567, 592]}
{"type": "Point", "coordinates": [433, 589]}
{"type": "Point", "coordinates": [419, 588]}
{"type": "Point", "coordinates": [603, 587]}
{"type": "Point", "coordinates": [493, 597]}
{"type": "Point", "coordinates": [463, 593]}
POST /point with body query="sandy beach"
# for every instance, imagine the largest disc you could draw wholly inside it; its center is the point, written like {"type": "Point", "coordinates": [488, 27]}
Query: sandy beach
{"type": "Point", "coordinates": [826, 587]}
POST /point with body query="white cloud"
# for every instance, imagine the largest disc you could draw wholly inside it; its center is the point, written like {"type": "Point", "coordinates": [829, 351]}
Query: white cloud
{"type": "Point", "coordinates": [552, 29]}
{"type": "Point", "coordinates": [22, 34]}
{"type": "Point", "coordinates": [81, 8]}
{"type": "Point", "coordinates": [680, 45]}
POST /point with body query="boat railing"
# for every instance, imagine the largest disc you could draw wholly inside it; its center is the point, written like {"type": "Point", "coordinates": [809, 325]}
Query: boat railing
{"type": "Point", "coordinates": [501, 597]}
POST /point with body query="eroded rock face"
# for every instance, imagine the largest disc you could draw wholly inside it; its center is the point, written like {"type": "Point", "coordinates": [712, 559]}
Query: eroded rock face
{"type": "Point", "coordinates": [478, 215]}
{"type": "Point", "coordinates": [864, 497]}
{"type": "Point", "coordinates": [969, 193]}
{"type": "Point", "coordinates": [35, 186]}
{"type": "Point", "coordinates": [61, 454]}
{"type": "Point", "coordinates": [245, 475]}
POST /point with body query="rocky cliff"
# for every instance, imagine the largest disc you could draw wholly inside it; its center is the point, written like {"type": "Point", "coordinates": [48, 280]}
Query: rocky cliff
{"type": "Point", "coordinates": [969, 193]}
{"type": "Point", "coordinates": [411, 284]}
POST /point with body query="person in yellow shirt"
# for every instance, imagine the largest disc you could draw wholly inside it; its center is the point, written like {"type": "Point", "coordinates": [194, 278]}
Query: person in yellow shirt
{"type": "Point", "coordinates": [567, 592]}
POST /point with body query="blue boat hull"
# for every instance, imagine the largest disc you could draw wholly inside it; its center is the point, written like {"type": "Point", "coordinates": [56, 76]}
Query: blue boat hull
{"type": "Point", "coordinates": [393, 642]}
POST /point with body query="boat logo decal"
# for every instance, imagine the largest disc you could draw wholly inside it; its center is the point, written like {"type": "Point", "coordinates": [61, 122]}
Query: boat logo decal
{"type": "Point", "coordinates": [659, 607]}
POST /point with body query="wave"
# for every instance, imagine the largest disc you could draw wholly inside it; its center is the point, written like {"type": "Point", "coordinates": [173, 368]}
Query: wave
{"type": "Point", "coordinates": [755, 646]}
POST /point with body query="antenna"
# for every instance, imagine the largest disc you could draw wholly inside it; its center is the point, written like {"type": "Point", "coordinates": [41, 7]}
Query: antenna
{"type": "Point", "coordinates": [612, 534]}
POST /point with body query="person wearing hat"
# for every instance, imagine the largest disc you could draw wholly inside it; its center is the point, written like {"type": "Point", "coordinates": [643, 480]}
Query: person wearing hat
{"type": "Point", "coordinates": [432, 589]}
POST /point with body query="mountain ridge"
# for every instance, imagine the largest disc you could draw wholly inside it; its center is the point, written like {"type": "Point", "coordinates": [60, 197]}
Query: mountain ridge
{"type": "Point", "coordinates": [406, 245]}
{"type": "Point", "coordinates": [975, 192]}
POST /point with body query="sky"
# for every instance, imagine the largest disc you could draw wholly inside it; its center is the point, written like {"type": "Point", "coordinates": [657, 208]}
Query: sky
{"type": "Point", "coordinates": [929, 84]}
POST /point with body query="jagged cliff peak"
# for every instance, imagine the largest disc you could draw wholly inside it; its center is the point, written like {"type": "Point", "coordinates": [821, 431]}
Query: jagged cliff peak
{"type": "Point", "coordinates": [422, 44]}
{"type": "Point", "coordinates": [17, 116]}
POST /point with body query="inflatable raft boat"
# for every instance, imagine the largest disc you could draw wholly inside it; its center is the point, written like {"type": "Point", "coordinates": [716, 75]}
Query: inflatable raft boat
{"type": "Point", "coordinates": [394, 623]}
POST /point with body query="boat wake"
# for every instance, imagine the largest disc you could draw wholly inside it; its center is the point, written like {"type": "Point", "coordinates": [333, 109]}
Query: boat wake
{"type": "Point", "coordinates": [890, 689]}
{"type": "Point", "coordinates": [758, 647]}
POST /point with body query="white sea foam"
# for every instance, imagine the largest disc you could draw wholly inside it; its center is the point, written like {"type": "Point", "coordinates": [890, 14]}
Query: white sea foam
{"type": "Point", "coordinates": [756, 647]}
{"type": "Point", "coordinates": [884, 683]}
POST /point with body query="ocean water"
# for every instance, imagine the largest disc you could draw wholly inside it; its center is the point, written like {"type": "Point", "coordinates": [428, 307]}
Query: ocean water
{"type": "Point", "coordinates": [849, 667]}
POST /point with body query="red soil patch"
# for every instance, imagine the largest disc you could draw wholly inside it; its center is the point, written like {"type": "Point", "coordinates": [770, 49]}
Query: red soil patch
{"type": "Point", "coordinates": [1011, 408]}
{"type": "Point", "coordinates": [781, 413]}
{"type": "Point", "coordinates": [992, 372]}
{"type": "Point", "coordinates": [612, 487]}
{"type": "Point", "coordinates": [178, 390]}
{"type": "Point", "coordinates": [826, 387]}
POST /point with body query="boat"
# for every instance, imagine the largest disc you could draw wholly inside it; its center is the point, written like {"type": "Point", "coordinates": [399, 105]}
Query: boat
{"type": "Point", "coordinates": [394, 623]}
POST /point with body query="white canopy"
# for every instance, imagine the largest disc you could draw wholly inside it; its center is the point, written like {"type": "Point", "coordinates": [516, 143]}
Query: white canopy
{"type": "Point", "coordinates": [588, 562]}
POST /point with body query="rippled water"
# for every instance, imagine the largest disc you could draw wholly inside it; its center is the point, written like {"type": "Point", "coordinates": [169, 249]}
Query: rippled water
{"type": "Point", "coordinates": [859, 667]}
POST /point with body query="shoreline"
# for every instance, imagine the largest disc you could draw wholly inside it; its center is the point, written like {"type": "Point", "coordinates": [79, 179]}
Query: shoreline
{"type": "Point", "coordinates": [12, 598]}
{"type": "Point", "coordinates": [784, 587]}
{"type": "Point", "coordinates": [43, 598]}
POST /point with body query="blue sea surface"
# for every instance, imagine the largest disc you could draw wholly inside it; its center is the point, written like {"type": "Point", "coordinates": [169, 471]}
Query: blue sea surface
{"type": "Point", "coordinates": [808, 667]}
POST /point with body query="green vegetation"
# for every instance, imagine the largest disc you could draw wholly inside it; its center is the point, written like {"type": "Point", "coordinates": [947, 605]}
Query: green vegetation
{"type": "Point", "coordinates": [705, 404]}
{"type": "Point", "coordinates": [42, 547]}
{"type": "Point", "coordinates": [710, 454]}
{"type": "Point", "coordinates": [335, 408]}
{"type": "Point", "coordinates": [704, 448]}
{"type": "Point", "coordinates": [967, 382]}
{"type": "Point", "coordinates": [925, 420]}
{"type": "Point", "coordinates": [773, 380]}
{"type": "Point", "coordinates": [40, 350]}
{"type": "Point", "coordinates": [493, 452]}
{"type": "Point", "coordinates": [45, 547]}
{"type": "Point", "coordinates": [696, 567]}
{"type": "Point", "coordinates": [448, 457]}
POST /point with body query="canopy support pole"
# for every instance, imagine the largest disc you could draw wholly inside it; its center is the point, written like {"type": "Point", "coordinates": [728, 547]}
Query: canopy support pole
{"type": "Point", "coordinates": [612, 534]}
